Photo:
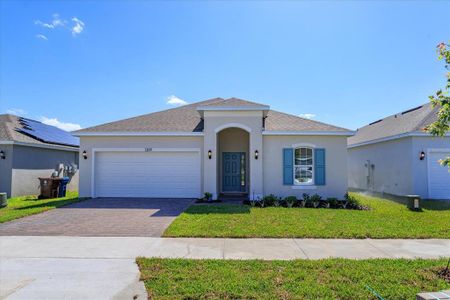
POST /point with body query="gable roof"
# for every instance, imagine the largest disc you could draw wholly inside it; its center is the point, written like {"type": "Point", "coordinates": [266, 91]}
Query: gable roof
{"type": "Point", "coordinates": [409, 121]}
{"type": "Point", "coordinates": [22, 130]}
{"type": "Point", "coordinates": [186, 119]}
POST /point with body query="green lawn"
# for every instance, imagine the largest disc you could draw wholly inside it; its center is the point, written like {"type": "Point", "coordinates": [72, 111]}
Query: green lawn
{"type": "Point", "coordinates": [385, 219]}
{"type": "Point", "coordinates": [299, 279]}
{"type": "Point", "coordinates": [19, 207]}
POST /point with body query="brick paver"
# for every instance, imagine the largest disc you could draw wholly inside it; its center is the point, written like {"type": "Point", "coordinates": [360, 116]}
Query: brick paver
{"type": "Point", "coordinates": [102, 217]}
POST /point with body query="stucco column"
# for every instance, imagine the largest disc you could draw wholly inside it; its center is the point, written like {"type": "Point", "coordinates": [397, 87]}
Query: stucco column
{"type": "Point", "coordinates": [256, 165]}
{"type": "Point", "coordinates": [210, 165]}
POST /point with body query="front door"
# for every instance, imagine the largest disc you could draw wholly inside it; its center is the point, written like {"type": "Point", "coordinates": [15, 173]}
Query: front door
{"type": "Point", "coordinates": [233, 172]}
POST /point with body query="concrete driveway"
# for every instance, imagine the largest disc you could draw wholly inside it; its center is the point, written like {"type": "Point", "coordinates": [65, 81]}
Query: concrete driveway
{"type": "Point", "coordinates": [102, 217]}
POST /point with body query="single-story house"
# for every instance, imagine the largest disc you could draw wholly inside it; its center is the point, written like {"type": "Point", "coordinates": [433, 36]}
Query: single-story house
{"type": "Point", "coordinates": [30, 149]}
{"type": "Point", "coordinates": [220, 146]}
{"type": "Point", "coordinates": [396, 156]}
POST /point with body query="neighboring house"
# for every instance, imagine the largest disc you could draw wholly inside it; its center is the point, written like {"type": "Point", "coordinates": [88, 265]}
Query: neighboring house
{"type": "Point", "coordinates": [395, 155]}
{"type": "Point", "coordinates": [219, 146]}
{"type": "Point", "coordinates": [30, 149]}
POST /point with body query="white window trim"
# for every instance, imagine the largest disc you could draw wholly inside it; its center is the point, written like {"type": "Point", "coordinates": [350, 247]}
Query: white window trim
{"type": "Point", "coordinates": [308, 184]}
{"type": "Point", "coordinates": [95, 150]}
{"type": "Point", "coordinates": [304, 187]}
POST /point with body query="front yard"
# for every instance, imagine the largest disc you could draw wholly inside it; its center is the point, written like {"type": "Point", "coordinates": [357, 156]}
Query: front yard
{"type": "Point", "coordinates": [299, 279]}
{"type": "Point", "coordinates": [19, 207]}
{"type": "Point", "coordinates": [385, 219]}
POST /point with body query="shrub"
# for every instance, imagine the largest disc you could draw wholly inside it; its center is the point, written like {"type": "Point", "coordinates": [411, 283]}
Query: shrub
{"type": "Point", "coordinates": [306, 200]}
{"type": "Point", "coordinates": [315, 199]}
{"type": "Point", "coordinates": [333, 202]}
{"type": "Point", "coordinates": [290, 201]}
{"type": "Point", "coordinates": [269, 200]}
{"type": "Point", "coordinates": [277, 202]}
{"type": "Point", "coordinates": [352, 202]}
{"type": "Point", "coordinates": [208, 196]}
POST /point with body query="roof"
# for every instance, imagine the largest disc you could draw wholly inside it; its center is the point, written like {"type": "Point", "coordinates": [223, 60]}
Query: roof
{"type": "Point", "coordinates": [409, 121]}
{"type": "Point", "coordinates": [187, 119]}
{"type": "Point", "coordinates": [22, 130]}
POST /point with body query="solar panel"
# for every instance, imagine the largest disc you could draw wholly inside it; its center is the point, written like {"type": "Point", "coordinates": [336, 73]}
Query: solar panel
{"type": "Point", "coordinates": [46, 133]}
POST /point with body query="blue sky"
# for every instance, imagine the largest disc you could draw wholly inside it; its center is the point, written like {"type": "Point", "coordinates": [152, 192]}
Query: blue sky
{"type": "Point", "coordinates": [344, 63]}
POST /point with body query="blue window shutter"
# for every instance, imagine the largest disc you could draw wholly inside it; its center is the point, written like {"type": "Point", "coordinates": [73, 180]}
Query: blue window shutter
{"type": "Point", "coordinates": [319, 166]}
{"type": "Point", "coordinates": [288, 166]}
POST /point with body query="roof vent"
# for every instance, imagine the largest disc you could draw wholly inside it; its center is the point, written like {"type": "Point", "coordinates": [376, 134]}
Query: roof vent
{"type": "Point", "coordinates": [412, 109]}
{"type": "Point", "coordinates": [376, 122]}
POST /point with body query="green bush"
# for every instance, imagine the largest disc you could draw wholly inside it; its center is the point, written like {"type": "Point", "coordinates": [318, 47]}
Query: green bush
{"type": "Point", "coordinates": [290, 201]}
{"type": "Point", "coordinates": [352, 202]}
{"type": "Point", "coordinates": [315, 199]}
{"type": "Point", "coordinates": [333, 202]}
{"type": "Point", "coordinates": [269, 200]}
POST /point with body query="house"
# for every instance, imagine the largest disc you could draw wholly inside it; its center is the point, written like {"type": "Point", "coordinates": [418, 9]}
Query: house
{"type": "Point", "coordinates": [220, 146]}
{"type": "Point", "coordinates": [30, 149]}
{"type": "Point", "coordinates": [396, 156]}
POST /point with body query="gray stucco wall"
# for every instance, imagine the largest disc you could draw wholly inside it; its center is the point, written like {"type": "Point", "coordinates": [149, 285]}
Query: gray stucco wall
{"type": "Point", "coordinates": [393, 169]}
{"type": "Point", "coordinates": [398, 169]}
{"type": "Point", "coordinates": [335, 165]}
{"type": "Point", "coordinates": [420, 175]}
{"type": "Point", "coordinates": [30, 163]}
{"type": "Point", "coordinates": [5, 169]}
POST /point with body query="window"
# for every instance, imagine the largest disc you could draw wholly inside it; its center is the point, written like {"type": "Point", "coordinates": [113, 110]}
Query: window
{"type": "Point", "coordinates": [303, 165]}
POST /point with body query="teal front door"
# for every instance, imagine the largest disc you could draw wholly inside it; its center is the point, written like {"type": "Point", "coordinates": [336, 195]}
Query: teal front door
{"type": "Point", "coordinates": [233, 172]}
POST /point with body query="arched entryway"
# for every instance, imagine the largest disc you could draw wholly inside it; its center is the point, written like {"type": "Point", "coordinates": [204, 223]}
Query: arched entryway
{"type": "Point", "coordinates": [233, 165]}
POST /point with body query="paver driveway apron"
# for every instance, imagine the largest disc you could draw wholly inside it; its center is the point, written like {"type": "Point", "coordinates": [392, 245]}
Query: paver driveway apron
{"type": "Point", "coordinates": [102, 217]}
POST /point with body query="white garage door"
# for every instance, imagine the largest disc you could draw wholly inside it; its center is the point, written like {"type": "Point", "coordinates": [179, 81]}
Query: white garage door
{"type": "Point", "coordinates": [147, 174]}
{"type": "Point", "coordinates": [439, 176]}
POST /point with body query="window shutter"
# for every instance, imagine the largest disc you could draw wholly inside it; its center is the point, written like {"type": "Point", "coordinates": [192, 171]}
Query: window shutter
{"type": "Point", "coordinates": [319, 166]}
{"type": "Point", "coordinates": [288, 166]}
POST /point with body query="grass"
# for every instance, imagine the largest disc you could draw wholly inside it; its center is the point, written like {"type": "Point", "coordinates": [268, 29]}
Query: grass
{"type": "Point", "coordinates": [299, 279]}
{"type": "Point", "coordinates": [19, 207]}
{"type": "Point", "coordinates": [385, 219]}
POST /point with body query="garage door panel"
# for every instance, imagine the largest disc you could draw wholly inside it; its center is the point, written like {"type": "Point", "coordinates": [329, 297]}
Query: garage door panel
{"type": "Point", "coordinates": [439, 176]}
{"type": "Point", "coordinates": [147, 174]}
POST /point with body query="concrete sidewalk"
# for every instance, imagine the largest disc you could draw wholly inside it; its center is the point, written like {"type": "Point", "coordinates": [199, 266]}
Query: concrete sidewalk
{"type": "Point", "coordinates": [43, 267]}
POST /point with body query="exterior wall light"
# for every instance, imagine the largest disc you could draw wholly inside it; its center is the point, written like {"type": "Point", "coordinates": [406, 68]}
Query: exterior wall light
{"type": "Point", "coordinates": [256, 154]}
{"type": "Point", "coordinates": [2, 154]}
{"type": "Point", "coordinates": [422, 155]}
{"type": "Point", "coordinates": [209, 154]}
{"type": "Point", "coordinates": [84, 154]}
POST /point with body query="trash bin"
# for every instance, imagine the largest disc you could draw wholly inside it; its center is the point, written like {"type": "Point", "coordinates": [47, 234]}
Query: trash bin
{"type": "Point", "coordinates": [3, 201]}
{"type": "Point", "coordinates": [49, 187]}
{"type": "Point", "coordinates": [62, 187]}
{"type": "Point", "coordinates": [413, 202]}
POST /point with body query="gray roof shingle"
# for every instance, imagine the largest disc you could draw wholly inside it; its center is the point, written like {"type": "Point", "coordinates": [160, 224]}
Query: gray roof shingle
{"type": "Point", "coordinates": [409, 121]}
{"type": "Point", "coordinates": [187, 119]}
{"type": "Point", "coordinates": [9, 126]}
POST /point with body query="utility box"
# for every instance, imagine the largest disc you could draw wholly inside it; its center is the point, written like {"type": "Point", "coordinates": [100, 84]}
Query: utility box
{"type": "Point", "coordinates": [3, 200]}
{"type": "Point", "coordinates": [414, 202]}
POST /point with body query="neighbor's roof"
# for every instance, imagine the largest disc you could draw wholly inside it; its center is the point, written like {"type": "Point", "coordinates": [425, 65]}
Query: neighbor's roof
{"type": "Point", "coordinates": [409, 121]}
{"type": "Point", "coordinates": [187, 119]}
{"type": "Point", "coordinates": [22, 130]}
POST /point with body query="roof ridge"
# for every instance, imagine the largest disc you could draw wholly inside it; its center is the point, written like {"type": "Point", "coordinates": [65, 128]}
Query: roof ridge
{"type": "Point", "coordinates": [421, 125]}
{"type": "Point", "coordinates": [152, 113]}
{"type": "Point", "coordinates": [312, 121]}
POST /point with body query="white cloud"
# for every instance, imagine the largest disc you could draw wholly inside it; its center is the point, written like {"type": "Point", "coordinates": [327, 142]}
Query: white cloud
{"type": "Point", "coordinates": [78, 27]}
{"type": "Point", "coordinates": [175, 101]}
{"type": "Point", "coordinates": [61, 125]}
{"type": "Point", "coordinates": [307, 116]}
{"type": "Point", "coordinates": [56, 22]}
{"type": "Point", "coordinates": [41, 37]}
{"type": "Point", "coordinates": [16, 111]}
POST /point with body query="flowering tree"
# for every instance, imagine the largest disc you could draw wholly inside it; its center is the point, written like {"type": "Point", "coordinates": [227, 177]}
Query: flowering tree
{"type": "Point", "coordinates": [442, 100]}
